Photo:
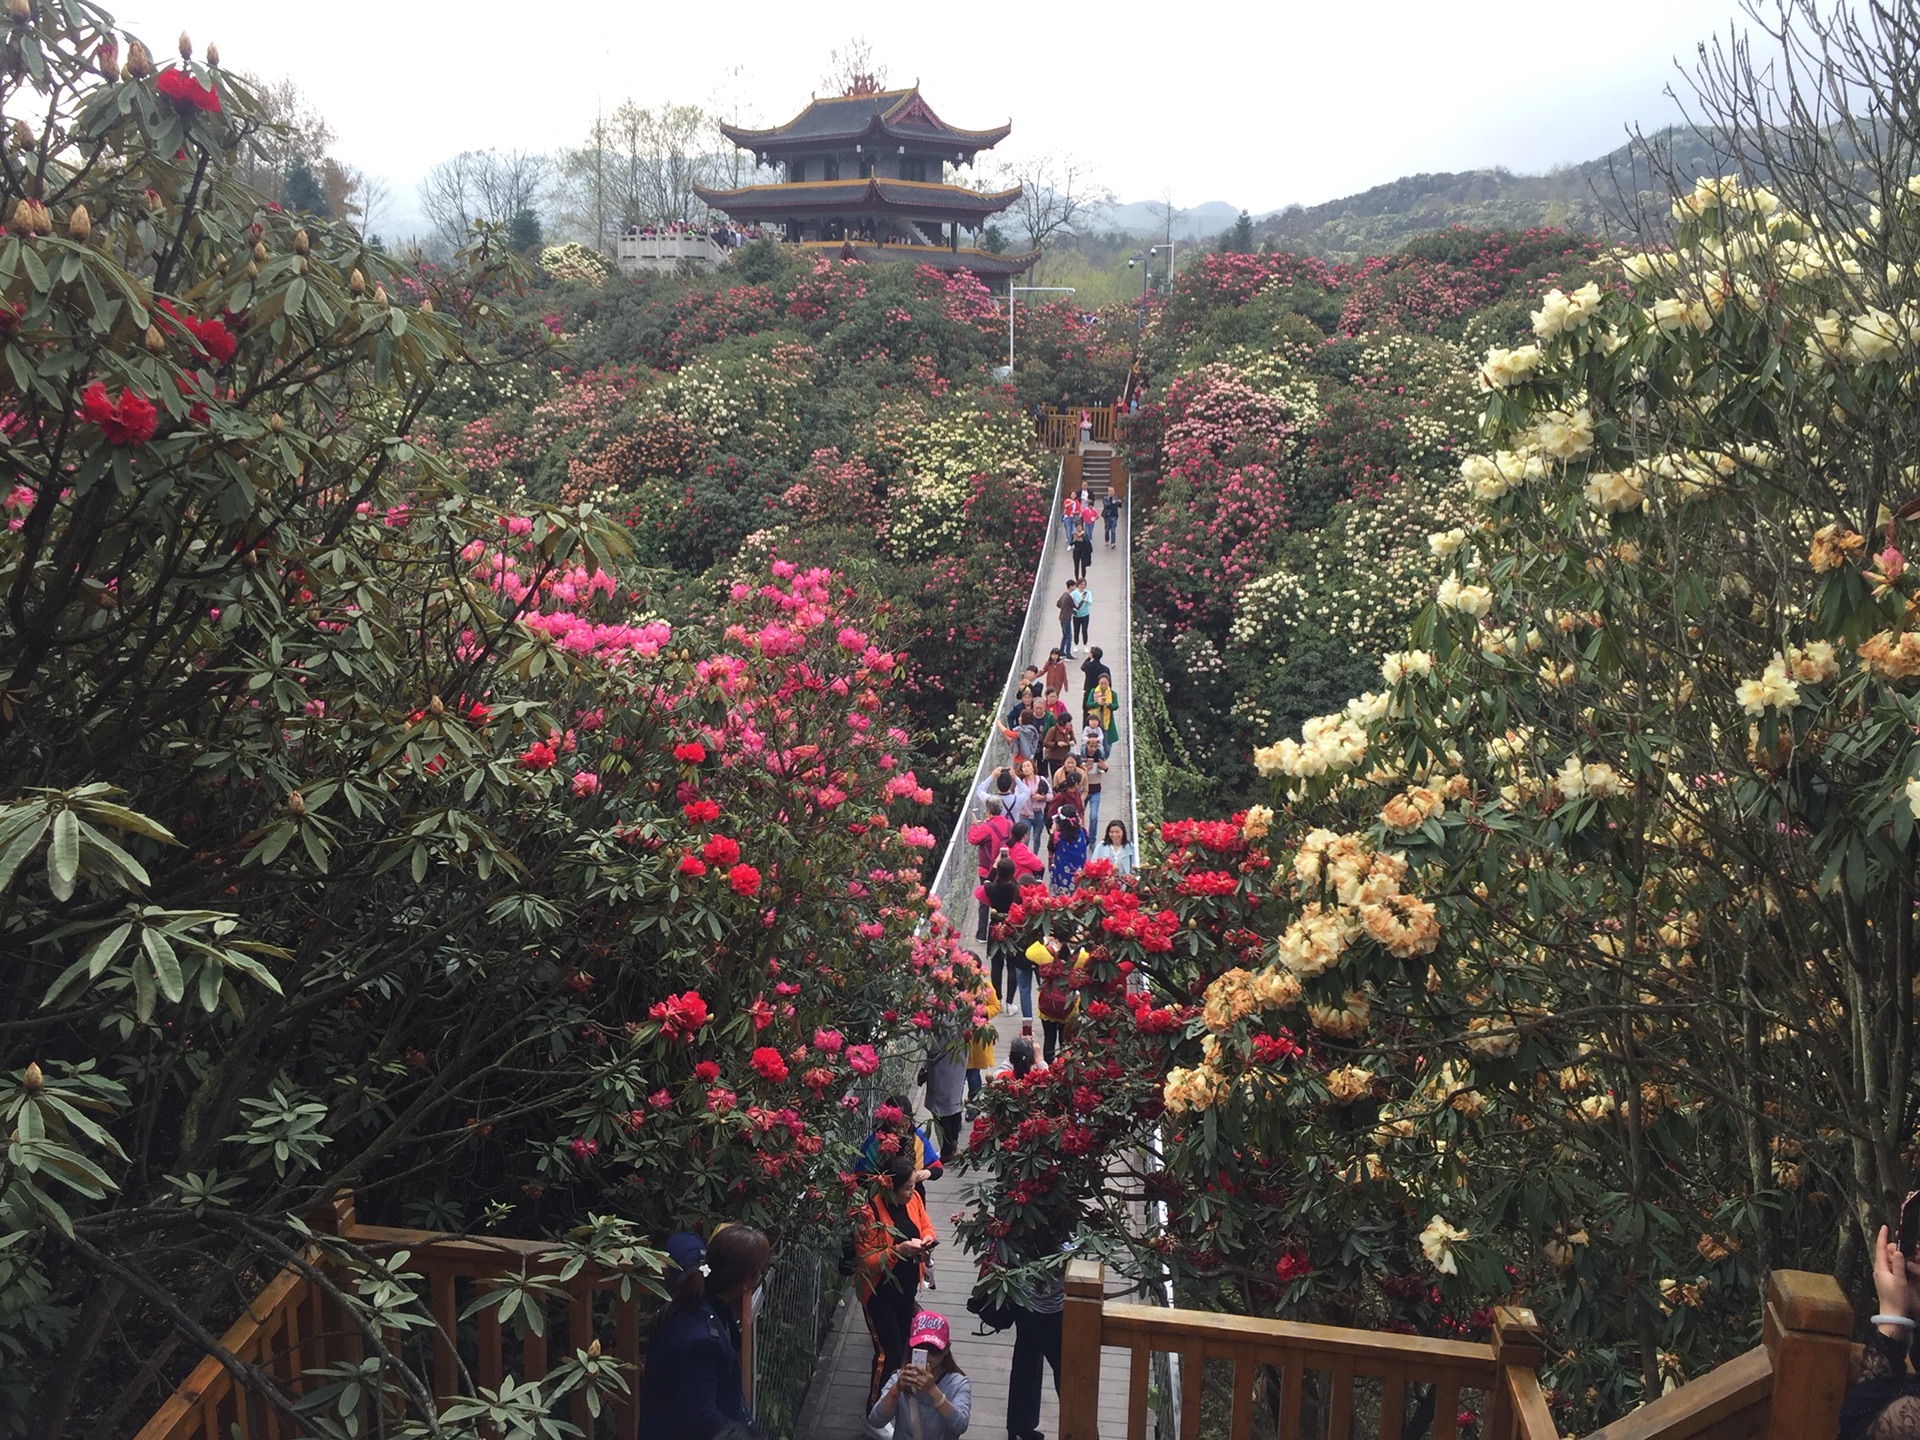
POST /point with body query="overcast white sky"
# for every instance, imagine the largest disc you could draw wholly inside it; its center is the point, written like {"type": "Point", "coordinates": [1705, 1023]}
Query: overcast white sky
{"type": "Point", "coordinates": [1255, 104]}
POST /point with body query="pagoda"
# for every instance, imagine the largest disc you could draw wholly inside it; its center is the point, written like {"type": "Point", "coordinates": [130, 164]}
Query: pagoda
{"type": "Point", "coordinates": [865, 178]}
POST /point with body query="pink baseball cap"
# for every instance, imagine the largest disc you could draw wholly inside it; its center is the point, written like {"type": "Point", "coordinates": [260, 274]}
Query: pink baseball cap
{"type": "Point", "coordinates": [929, 1328]}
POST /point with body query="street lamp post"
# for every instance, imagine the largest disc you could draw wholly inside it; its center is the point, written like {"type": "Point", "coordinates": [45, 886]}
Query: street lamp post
{"type": "Point", "coordinates": [1011, 289]}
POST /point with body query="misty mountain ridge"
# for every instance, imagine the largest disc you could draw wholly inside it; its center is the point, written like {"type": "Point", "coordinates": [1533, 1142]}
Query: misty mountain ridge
{"type": "Point", "coordinates": [1593, 196]}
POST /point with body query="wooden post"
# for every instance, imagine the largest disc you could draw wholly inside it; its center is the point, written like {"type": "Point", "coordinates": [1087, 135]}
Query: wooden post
{"type": "Point", "coordinates": [1080, 1351]}
{"type": "Point", "coordinates": [1809, 1334]}
{"type": "Point", "coordinates": [1516, 1347]}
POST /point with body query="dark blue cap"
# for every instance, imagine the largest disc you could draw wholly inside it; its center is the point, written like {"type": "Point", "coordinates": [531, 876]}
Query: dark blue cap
{"type": "Point", "coordinates": [686, 1251]}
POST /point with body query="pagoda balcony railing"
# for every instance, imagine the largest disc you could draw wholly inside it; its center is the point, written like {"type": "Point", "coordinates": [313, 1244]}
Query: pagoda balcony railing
{"type": "Point", "coordinates": [1316, 1382]}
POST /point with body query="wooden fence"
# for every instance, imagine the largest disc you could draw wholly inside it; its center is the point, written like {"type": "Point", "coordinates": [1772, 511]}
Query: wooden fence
{"type": "Point", "coordinates": [1060, 428]}
{"type": "Point", "coordinates": [1788, 1388]}
{"type": "Point", "coordinates": [295, 1326]}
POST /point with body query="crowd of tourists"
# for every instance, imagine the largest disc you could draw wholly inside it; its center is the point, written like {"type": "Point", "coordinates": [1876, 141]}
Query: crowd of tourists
{"type": "Point", "coordinates": [1035, 820]}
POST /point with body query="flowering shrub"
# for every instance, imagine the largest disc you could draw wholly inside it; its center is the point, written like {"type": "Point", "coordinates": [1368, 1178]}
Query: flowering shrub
{"type": "Point", "coordinates": [573, 261]}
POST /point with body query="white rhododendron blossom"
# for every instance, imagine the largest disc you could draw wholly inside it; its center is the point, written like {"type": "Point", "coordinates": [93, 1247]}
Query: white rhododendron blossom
{"type": "Point", "coordinates": [1577, 778]}
{"type": "Point", "coordinates": [1873, 336]}
{"type": "Point", "coordinates": [1403, 664]}
{"type": "Point", "coordinates": [1506, 368]}
{"type": "Point", "coordinates": [1812, 663]}
{"type": "Point", "coordinates": [1774, 690]}
{"type": "Point", "coordinates": [1608, 492]}
{"type": "Point", "coordinates": [1443, 543]}
{"type": "Point", "coordinates": [1564, 434]}
{"type": "Point", "coordinates": [1560, 313]}
{"type": "Point", "coordinates": [1437, 1242]}
{"type": "Point", "coordinates": [1474, 600]}
{"type": "Point", "coordinates": [1489, 477]}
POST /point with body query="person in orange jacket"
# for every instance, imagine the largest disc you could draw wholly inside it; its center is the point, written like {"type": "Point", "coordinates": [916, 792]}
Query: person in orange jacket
{"type": "Point", "coordinates": [890, 1248]}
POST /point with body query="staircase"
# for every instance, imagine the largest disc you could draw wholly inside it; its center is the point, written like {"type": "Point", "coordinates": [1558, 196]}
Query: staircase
{"type": "Point", "coordinates": [1096, 469]}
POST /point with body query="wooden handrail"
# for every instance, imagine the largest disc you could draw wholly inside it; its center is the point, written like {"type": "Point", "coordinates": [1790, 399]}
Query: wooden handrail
{"type": "Point", "coordinates": [1060, 428]}
{"type": "Point", "coordinates": [1788, 1388]}
{"type": "Point", "coordinates": [294, 1326]}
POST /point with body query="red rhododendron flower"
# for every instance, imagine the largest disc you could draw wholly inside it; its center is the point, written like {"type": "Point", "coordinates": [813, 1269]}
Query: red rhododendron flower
{"type": "Point", "coordinates": [1292, 1265]}
{"type": "Point", "coordinates": [862, 1060]}
{"type": "Point", "coordinates": [690, 752]}
{"type": "Point", "coordinates": [214, 338]}
{"type": "Point", "coordinates": [187, 93]}
{"type": "Point", "coordinates": [126, 421]}
{"type": "Point", "coordinates": [768, 1065]}
{"type": "Point", "coordinates": [691, 865]}
{"type": "Point", "coordinates": [680, 1016]}
{"type": "Point", "coordinates": [720, 851]}
{"type": "Point", "coordinates": [744, 879]}
{"type": "Point", "coordinates": [706, 1072]}
{"type": "Point", "coordinates": [537, 756]}
{"type": "Point", "coordinates": [701, 812]}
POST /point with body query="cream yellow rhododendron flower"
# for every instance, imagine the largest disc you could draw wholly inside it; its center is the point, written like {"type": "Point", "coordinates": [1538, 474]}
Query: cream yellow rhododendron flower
{"type": "Point", "coordinates": [1505, 368]}
{"type": "Point", "coordinates": [1437, 1242]}
{"type": "Point", "coordinates": [1772, 691]}
{"type": "Point", "coordinates": [1560, 313]}
{"type": "Point", "coordinates": [1444, 542]}
{"type": "Point", "coordinates": [1403, 663]}
{"type": "Point", "coordinates": [1474, 600]}
{"type": "Point", "coordinates": [1258, 822]}
{"type": "Point", "coordinates": [1345, 1021]}
{"type": "Point", "coordinates": [1309, 946]}
{"type": "Point", "coordinates": [1348, 1084]}
{"type": "Point", "coordinates": [1812, 663]}
{"type": "Point", "coordinates": [1913, 797]}
{"type": "Point", "coordinates": [1564, 434]}
{"type": "Point", "coordinates": [1608, 492]}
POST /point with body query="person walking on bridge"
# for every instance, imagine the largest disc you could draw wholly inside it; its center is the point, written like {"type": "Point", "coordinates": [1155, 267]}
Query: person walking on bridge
{"type": "Point", "coordinates": [1083, 611]}
{"type": "Point", "coordinates": [1082, 551]}
{"type": "Point", "coordinates": [1110, 512]}
{"type": "Point", "coordinates": [1067, 604]}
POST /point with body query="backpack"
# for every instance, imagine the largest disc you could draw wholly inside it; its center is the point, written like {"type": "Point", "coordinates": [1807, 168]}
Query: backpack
{"type": "Point", "coordinates": [1056, 1000]}
{"type": "Point", "coordinates": [999, 829]}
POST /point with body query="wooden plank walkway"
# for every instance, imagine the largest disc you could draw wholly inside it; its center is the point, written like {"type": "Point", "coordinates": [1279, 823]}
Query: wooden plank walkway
{"type": "Point", "coordinates": [836, 1404]}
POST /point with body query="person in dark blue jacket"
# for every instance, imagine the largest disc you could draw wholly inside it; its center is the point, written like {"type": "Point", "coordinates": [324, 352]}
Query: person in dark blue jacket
{"type": "Point", "coordinates": [690, 1388]}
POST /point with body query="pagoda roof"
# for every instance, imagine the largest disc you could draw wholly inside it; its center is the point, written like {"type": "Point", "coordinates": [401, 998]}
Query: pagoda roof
{"type": "Point", "coordinates": [900, 116]}
{"type": "Point", "coordinates": [797, 198]}
{"type": "Point", "coordinates": [983, 263]}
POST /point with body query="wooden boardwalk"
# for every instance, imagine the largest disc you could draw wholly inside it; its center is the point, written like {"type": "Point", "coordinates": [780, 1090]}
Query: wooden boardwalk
{"type": "Point", "coordinates": [836, 1403]}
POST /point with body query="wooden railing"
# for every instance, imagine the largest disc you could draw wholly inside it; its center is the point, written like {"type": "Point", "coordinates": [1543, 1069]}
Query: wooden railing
{"type": "Point", "coordinates": [1787, 1389]}
{"type": "Point", "coordinates": [1060, 429]}
{"type": "Point", "coordinates": [295, 1326]}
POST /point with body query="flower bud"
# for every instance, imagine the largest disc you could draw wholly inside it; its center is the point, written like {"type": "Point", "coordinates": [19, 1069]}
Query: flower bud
{"type": "Point", "coordinates": [253, 270]}
{"type": "Point", "coordinates": [107, 58]}
{"type": "Point", "coordinates": [276, 424]}
{"type": "Point", "coordinates": [20, 11]}
{"type": "Point", "coordinates": [260, 251]}
{"type": "Point", "coordinates": [32, 1080]}
{"type": "Point", "coordinates": [379, 293]}
{"type": "Point", "coordinates": [296, 804]}
{"type": "Point", "coordinates": [156, 343]}
{"type": "Point", "coordinates": [79, 224]}
{"type": "Point", "coordinates": [23, 216]}
{"type": "Point", "coordinates": [139, 63]}
{"type": "Point", "coordinates": [300, 242]}
{"type": "Point", "coordinates": [436, 707]}
{"type": "Point", "coordinates": [22, 136]}
{"type": "Point", "coordinates": [186, 46]}
{"type": "Point", "coordinates": [426, 305]}
{"type": "Point", "coordinates": [33, 218]}
{"type": "Point", "coordinates": [213, 57]}
{"type": "Point", "coordinates": [593, 1350]}
{"type": "Point", "coordinates": [303, 265]}
{"type": "Point", "coordinates": [154, 203]}
{"type": "Point", "coordinates": [356, 282]}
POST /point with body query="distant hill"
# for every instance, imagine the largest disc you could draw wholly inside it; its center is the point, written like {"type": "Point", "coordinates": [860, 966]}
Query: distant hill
{"type": "Point", "coordinates": [1147, 218]}
{"type": "Point", "coordinates": [1596, 196]}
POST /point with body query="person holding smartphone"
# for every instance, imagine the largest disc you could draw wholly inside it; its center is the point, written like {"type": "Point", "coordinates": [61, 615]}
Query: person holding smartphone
{"type": "Point", "coordinates": [1884, 1403]}
{"type": "Point", "coordinates": [933, 1401]}
{"type": "Point", "coordinates": [890, 1255]}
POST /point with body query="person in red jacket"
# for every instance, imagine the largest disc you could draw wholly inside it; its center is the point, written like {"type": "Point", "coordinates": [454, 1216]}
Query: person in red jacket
{"type": "Point", "coordinates": [989, 836]}
{"type": "Point", "coordinates": [890, 1250]}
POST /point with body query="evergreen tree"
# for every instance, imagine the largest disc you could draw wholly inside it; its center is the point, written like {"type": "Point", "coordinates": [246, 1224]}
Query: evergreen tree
{"type": "Point", "coordinates": [1237, 239]}
{"type": "Point", "coordinates": [993, 240]}
{"type": "Point", "coordinates": [523, 231]}
{"type": "Point", "coordinates": [302, 190]}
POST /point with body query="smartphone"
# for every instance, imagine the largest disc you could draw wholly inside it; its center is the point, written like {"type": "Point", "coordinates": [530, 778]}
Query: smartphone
{"type": "Point", "coordinates": [1910, 1223]}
